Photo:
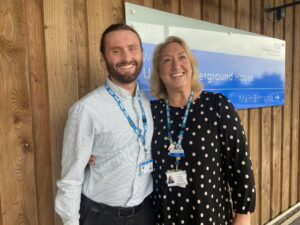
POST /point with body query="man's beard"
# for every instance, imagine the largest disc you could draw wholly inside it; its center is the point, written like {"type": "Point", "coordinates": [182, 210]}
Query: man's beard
{"type": "Point", "coordinates": [126, 78]}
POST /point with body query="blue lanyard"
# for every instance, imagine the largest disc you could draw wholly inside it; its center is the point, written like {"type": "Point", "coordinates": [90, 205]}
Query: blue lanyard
{"type": "Point", "coordinates": [138, 131]}
{"type": "Point", "coordinates": [182, 127]}
{"type": "Point", "coordinates": [183, 124]}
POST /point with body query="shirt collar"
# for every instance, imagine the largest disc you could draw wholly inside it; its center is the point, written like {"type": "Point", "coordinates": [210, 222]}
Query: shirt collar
{"type": "Point", "coordinates": [121, 92]}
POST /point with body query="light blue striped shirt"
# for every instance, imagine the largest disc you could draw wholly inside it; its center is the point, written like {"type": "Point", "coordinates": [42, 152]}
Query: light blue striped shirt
{"type": "Point", "coordinates": [97, 126]}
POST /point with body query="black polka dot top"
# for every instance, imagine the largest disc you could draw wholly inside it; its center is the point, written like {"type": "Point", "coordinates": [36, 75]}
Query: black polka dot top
{"type": "Point", "coordinates": [217, 162]}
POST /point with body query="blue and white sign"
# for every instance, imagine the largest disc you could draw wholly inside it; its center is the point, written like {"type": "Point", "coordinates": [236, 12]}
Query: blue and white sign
{"type": "Point", "coordinates": [248, 68]}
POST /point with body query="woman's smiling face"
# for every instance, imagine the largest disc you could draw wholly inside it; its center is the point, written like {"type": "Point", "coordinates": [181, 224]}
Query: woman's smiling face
{"type": "Point", "coordinates": [175, 69]}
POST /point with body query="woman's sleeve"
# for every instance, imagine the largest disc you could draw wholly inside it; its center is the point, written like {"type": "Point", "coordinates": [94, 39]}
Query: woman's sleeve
{"type": "Point", "coordinates": [236, 159]}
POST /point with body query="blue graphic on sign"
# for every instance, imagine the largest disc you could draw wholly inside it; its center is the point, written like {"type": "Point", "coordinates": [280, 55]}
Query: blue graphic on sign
{"type": "Point", "coordinates": [248, 82]}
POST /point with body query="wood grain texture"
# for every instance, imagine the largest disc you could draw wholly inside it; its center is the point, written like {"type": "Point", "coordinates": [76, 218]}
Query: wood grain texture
{"type": "Point", "coordinates": [211, 11]}
{"type": "Point", "coordinates": [255, 123]}
{"type": "Point", "coordinates": [287, 112]}
{"type": "Point", "coordinates": [295, 146]}
{"type": "Point", "coordinates": [62, 72]}
{"type": "Point", "coordinates": [266, 138]}
{"type": "Point", "coordinates": [255, 153]}
{"type": "Point", "coordinates": [172, 6]}
{"type": "Point", "coordinates": [82, 47]}
{"type": "Point", "coordinates": [191, 8]}
{"type": "Point", "coordinates": [18, 198]}
{"type": "Point", "coordinates": [228, 13]}
{"type": "Point", "coordinates": [276, 161]}
{"type": "Point", "coordinates": [276, 139]}
{"type": "Point", "coordinates": [265, 194]}
{"type": "Point", "coordinates": [145, 3]}
{"type": "Point", "coordinates": [40, 111]}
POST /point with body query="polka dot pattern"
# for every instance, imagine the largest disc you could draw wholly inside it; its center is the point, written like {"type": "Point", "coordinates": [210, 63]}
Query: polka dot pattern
{"type": "Point", "coordinates": [220, 178]}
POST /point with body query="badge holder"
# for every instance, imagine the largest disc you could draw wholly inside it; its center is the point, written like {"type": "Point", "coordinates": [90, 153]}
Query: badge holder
{"type": "Point", "coordinates": [176, 178]}
{"type": "Point", "coordinates": [146, 167]}
{"type": "Point", "coordinates": [176, 151]}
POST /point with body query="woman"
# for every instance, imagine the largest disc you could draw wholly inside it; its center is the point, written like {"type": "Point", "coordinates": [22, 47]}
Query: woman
{"type": "Point", "coordinates": [199, 141]}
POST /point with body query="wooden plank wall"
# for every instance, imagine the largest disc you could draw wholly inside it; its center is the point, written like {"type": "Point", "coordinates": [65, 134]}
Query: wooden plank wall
{"type": "Point", "coordinates": [17, 151]}
{"type": "Point", "coordinates": [49, 58]}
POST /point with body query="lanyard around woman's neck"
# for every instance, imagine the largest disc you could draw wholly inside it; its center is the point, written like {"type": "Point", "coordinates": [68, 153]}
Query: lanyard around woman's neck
{"type": "Point", "coordinates": [178, 145]}
{"type": "Point", "coordinates": [138, 131]}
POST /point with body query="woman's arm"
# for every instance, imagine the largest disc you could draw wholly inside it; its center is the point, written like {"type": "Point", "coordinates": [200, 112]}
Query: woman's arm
{"type": "Point", "coordinates": [241, 219]}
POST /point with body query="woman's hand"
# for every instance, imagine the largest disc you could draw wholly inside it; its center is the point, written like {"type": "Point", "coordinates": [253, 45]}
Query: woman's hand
{"type": "Point", "coordinates": [241, 219]}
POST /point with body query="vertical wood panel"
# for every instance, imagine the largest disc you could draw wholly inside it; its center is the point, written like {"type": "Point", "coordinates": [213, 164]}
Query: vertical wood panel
{"type": "Point", "coordinates": [228, 13]}
{"type": "Point", "coordinates": [287, 112]}
{"type": "Point", "coordinates": [146, 3]}
{"type": "Point", "coordinates": [191, 8]}
{"type": "Point", "coordinates": [276, 140]}
{"type": "Point", "coordinates": [210, 10]}
{"type": "Point", "coordinates": [62, 73]}
{"type": "Point", "coordinates": [255, 152]}
{"type": "Point", "coordinates": [40, 111]}
{"type": "Point", "coordinates": [18, 205]}
{"type": "Point", "coordinates": [266, 165]}
{"type": "Point", "coordinates": [295, 148]}
{"type": "Point", "coordinates": [266, 128]}
{"type": "Point", "coordinates": [255, 123]}
{"type": "Point", "coordinates": [172, 6]}
{"type": "Point", "coordinates": [81, 40]}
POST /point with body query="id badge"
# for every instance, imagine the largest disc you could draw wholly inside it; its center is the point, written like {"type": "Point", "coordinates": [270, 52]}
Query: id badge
{"type": "Point", "coordinates": [146, 167]}
{"type": "Point", "coordinates": [176, 178]}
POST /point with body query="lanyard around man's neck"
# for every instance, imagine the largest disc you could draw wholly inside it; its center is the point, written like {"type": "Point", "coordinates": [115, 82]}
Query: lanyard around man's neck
{"type": "Point", "coordinates": [138, 131]}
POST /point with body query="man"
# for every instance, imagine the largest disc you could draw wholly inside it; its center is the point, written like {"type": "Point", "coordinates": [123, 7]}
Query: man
{"type": "Point", "coordinates": [114, 124]}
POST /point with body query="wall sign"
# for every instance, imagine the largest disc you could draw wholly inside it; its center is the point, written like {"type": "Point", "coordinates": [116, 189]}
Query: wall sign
{"type": "Point", "coordinates": [246, 67]}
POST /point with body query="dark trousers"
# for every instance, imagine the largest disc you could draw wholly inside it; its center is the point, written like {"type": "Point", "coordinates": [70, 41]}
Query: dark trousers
{"type": "Point", "coordinates": [93, 213]}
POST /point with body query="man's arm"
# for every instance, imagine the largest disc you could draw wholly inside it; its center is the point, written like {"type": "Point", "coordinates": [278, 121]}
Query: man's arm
{"type": "Point", "coordinates": [77, 148]}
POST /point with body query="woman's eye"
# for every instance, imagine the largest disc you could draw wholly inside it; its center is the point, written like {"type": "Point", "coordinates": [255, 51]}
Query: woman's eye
{"type": "Point", "coordinates": [132, 49]}
{"type": "Point", "coordinates": [167, 60]}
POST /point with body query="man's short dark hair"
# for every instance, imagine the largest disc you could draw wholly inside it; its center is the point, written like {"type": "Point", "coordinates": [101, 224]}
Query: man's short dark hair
{"type": "Point", "coordinates": [117, 27]}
